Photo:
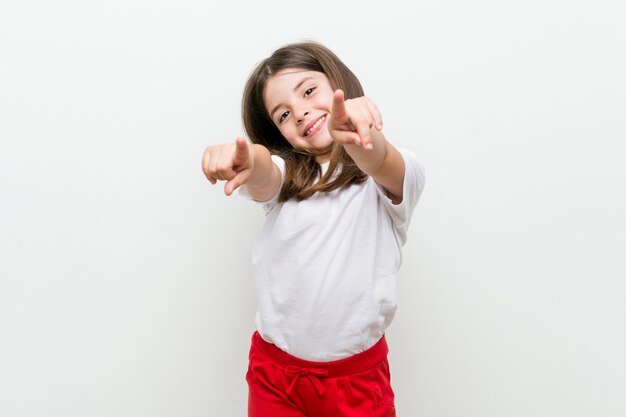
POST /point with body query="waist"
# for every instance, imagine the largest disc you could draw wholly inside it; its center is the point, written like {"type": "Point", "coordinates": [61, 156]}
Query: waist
{"type": "Point", "coordinates": [354, 364]}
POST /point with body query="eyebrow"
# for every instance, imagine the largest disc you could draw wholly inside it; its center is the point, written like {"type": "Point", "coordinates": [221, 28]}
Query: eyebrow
{"type": "Point", "coordinates": [305, 79]}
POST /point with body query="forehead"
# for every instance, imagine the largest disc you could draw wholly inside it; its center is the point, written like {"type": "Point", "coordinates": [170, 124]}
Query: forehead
{"type": "Point", "coordinates": [284, 81]}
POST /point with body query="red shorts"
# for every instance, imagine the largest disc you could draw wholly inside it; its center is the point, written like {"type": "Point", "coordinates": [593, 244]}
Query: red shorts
{"type": "Point", "coordinates": [281, 385]}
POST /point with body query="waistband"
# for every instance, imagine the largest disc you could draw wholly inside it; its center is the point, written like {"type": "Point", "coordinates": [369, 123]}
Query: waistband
{"type": "Point", "coordinates": [355, 364]}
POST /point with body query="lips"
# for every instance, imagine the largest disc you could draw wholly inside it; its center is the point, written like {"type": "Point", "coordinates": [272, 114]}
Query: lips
{"type": "Point", "coordinates": [314, 127]}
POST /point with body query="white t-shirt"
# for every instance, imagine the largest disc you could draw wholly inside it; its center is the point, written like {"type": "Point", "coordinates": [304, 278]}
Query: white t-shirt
{"type": "Point", "coordinates": [325, 268]}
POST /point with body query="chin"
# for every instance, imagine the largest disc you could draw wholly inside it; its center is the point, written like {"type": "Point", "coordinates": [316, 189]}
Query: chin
{"type": "Point", "coordinates": [322, 140]}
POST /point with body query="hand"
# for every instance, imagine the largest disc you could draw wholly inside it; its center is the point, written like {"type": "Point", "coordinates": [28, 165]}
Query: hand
{"type": "Point", "coordinates": [230, 162]}
{"type": "Point", "coordinates": [351, 120]}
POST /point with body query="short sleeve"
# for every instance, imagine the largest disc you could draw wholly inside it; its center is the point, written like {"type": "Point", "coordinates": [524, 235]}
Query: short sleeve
{"type": "Point", "coordinates": [413, 185]}
{"type": "Point", "coordinates": [269, 204]}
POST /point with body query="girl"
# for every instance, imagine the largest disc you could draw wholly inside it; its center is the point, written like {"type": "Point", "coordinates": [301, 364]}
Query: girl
{"type": "Point", "coordinates": [338, 199]}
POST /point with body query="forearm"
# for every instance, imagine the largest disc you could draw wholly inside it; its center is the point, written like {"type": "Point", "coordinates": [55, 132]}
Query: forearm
{"type": "Point", "coordinates": [383, 163]}
{"type": "Point", "coordinates": [369, 161]}
{"type": "Point", "coordinates": [265, 178]}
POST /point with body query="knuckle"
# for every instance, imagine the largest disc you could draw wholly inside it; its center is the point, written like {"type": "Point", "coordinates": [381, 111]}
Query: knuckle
{"type": "Point", "coordinates": [224, 170]}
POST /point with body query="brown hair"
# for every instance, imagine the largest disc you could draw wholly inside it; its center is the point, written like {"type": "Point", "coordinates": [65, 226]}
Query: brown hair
{"type": "Point", "coordinates": [301, 168]}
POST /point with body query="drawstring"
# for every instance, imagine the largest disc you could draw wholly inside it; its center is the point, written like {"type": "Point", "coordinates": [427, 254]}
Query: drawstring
{"type": "Point", "coordinates": [310, 373]}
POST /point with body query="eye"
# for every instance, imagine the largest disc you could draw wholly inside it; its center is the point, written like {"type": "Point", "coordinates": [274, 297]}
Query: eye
{"type": "Point", "coordinates": [283, 116]}
{"type": "Point", "coordinates": [309, 91]}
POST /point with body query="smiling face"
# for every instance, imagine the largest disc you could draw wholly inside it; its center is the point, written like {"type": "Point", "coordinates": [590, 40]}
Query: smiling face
{"type": "Point", "coordinates": [299, 102]}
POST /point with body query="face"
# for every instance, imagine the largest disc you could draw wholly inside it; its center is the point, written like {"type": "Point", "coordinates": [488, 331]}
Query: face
{"type": "Point", "coordinates": [299, 102]}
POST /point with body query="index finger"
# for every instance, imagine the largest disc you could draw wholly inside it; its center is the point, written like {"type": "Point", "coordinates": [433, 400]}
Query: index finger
{"type": "Point", "coordinates": [241, 152]}
{"type": "Point", "coordinates": [338, 111]}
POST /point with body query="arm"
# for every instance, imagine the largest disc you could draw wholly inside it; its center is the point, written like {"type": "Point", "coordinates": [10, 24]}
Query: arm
{"type": "Point", "coordinates": [383, 163]}
{"type": "Point", "coordinates": [357, 124]}
{"type": "Point", "coordinates": [241, 163]}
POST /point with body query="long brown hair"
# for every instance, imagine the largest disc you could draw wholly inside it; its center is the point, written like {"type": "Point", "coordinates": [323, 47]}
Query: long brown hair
{"type": "Point", "coordinates": [301, 168]}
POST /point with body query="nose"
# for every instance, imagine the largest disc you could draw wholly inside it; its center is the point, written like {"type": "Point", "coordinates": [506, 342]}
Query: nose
{"type": "Point", "coordinates": [301, 114]}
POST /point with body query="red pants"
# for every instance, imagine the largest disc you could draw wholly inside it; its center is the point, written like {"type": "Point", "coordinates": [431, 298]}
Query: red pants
{"type": "Point", "coordinates": [282, 385]}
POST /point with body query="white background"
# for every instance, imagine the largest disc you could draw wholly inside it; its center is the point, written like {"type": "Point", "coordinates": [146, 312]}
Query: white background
{"type": "Point", "coordinates": [125, 284]}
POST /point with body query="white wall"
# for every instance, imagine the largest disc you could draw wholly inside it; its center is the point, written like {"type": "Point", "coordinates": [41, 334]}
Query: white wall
{"type": "Point", "coordinates": [125, 284]}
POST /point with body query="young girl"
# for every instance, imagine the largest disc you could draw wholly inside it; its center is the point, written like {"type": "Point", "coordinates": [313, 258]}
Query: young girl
{"type": "Point", "coordinates": [338, 199]}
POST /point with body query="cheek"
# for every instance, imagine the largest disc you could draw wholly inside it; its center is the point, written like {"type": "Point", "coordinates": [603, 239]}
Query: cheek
{"type": "Point", "coordinates": [288, 133]}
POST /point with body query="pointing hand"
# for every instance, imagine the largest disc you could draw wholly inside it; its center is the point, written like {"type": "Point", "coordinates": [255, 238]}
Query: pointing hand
{"type": "Point", "coordinates": [351, 120]}
{"type": "Point", "coordinates": [229, 162]}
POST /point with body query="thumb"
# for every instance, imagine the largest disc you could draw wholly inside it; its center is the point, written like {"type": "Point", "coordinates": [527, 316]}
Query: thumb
{"type": "Point", "coordinates": [242, 154]}
{"type": "Point", "coordinates": [234, 183]}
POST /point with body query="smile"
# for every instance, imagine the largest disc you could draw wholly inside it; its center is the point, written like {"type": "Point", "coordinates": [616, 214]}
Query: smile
{"type": "Point", "coordinates": [313, 129]}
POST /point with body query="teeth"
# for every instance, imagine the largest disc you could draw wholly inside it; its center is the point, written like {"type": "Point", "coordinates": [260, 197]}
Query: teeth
{"type": "Point", "coordinates": [319, 122]}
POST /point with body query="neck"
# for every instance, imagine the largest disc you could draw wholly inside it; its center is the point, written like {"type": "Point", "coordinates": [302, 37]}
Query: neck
{"type": "Point", "coordinates": [322, 159]}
